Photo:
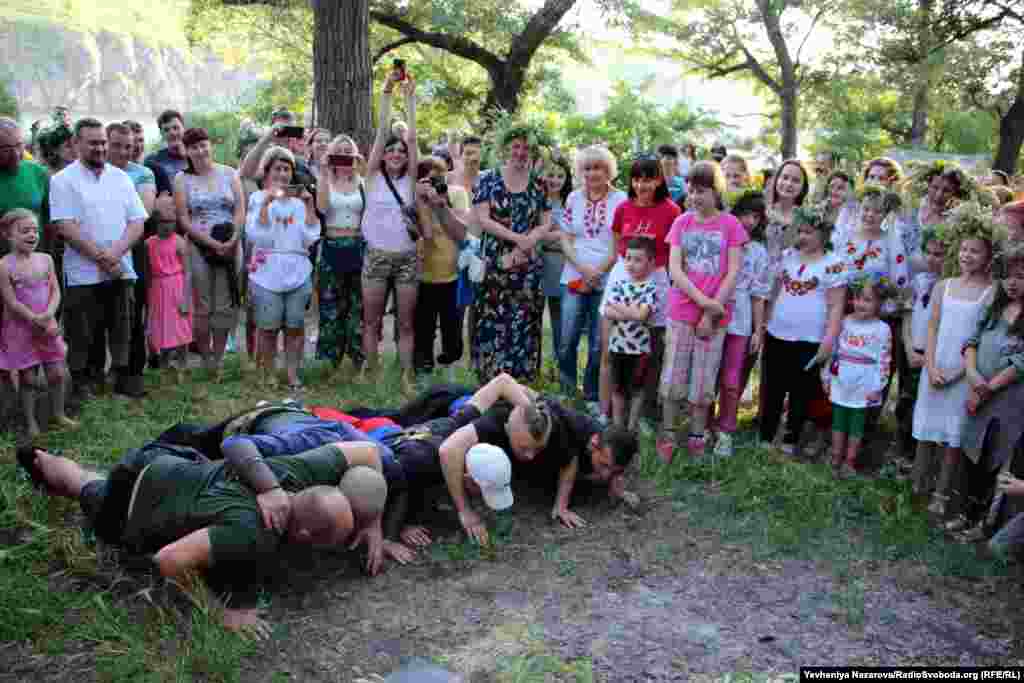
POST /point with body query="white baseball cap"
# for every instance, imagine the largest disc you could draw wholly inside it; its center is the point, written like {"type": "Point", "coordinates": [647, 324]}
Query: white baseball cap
{"type": "Point", "coordinates": [491, 469]}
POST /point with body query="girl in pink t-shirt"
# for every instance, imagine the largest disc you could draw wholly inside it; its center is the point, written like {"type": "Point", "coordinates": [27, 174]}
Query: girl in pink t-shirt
{"type": "Point", "coordinates": [704, 262]}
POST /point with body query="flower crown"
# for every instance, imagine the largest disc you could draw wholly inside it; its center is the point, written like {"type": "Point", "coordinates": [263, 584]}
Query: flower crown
{"type": "Point", "coordinates": [813, 216]}
{"type": "Point", "coordinates": [51, 137]}
{"type": "Point", "coordinates": [747, 193]}
{"type": "Point", "coordinates": [882, 285]}
{"type": "Point", "coordinates": [968, 220]}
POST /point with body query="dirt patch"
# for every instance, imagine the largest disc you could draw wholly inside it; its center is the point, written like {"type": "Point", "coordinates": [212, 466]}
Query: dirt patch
{"type": "Point", "coordinates": [628, 599]}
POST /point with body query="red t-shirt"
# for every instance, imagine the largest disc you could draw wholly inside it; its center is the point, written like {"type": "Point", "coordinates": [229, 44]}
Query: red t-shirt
{"type": "Point", "coordinates": [652, 222]}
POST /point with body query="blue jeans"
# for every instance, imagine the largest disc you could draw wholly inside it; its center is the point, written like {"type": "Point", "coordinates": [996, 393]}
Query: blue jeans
{"type": "Point", "coordinates": [579, 310]}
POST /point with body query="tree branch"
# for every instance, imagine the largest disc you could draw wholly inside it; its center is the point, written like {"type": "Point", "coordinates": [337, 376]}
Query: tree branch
{"type": "Point", "coordinates": [814, 21]}
{"type": "Point", "coordinates": [457, 45]}
{"type": "Point", "coordinates": [393, 45]}
{"type": "Point", "coordinates": [538, 29]}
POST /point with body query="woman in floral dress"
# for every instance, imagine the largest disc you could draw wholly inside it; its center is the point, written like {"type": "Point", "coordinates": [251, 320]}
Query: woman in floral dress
{"type": "Point", "coordinates": [513, 211]}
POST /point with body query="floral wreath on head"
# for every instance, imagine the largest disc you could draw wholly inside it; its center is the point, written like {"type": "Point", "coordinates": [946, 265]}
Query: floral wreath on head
{"type": "Point", "coordinates": [51, 137]}
{"type": "Point", "coordinates": [882, 285]}
{"type": "Point", "coordinates": [814, 217]}
{"type": "Point", "coordinates": [733, 197]}
{"type": "Point", "coordinates": [916, 186]}
{"type": "Point", "coordinates": [891, 201]}
{"type": "Point", "coordinates": [968, 220]}
{"type": "Point", "coordinates": [505, 128]}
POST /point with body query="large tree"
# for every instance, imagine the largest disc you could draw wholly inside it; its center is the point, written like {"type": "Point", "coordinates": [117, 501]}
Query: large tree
{"type": "Point", "coordinates": [763, 40]}
{"type": "Point", "coordinates": [502, 38]}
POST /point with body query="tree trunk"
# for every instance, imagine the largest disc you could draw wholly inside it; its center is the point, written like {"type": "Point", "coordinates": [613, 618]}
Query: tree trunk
{"type": "Point", "coordinates": [919, 119]}
{"type": "Point", "coordinates": [787, 98]}
{"type": "Point", "coordinates": [342, 77]}
{"type": "Point", "coordinates": [926, 72]}
{"type": "Point", "coordinates": [1011, 130]}
{"type": "Point", "coordinates": [506, 84]}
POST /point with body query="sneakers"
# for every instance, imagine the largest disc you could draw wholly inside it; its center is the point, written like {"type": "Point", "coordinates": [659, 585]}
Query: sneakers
{"type": "Point", "coordinates": [787, 449]}
{"type": "Point", "coordinates": [723, 447]}
{"type": "Point", "coordinates": [695, 445]}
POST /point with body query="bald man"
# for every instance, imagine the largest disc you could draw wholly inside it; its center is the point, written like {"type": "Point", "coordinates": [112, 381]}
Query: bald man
{"type": "Point", "coordinates": [199, 516]}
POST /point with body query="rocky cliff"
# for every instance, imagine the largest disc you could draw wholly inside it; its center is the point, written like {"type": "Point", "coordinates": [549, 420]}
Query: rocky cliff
{"type": "Point", "coordinates": [103, 72]}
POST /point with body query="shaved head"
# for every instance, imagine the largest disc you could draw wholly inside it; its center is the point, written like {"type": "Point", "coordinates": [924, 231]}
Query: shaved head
{"type": "Point", "coordinates": [366, 492]}
{"type": "Point", "coordinates": [321, 516]}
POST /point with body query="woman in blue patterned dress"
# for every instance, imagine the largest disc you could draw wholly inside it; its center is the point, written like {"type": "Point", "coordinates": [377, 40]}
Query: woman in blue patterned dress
{"type": "Point", "coordinates": [514, 214]}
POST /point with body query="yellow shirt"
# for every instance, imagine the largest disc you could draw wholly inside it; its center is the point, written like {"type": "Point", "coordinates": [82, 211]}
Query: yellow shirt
{"type": "Point", "coordinates": [440, 252]}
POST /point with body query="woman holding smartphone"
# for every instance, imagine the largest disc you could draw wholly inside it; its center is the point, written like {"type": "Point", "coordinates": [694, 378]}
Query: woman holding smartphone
{"type": "Point", "coordinates": [391, 252]}
{"type": "Point", "coordinates": [341, 199]}
{"type": "Point", "coordinates": [282, 226]}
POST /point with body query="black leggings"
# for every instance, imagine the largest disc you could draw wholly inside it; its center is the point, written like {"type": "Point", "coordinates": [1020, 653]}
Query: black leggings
{"type": "Point", "coordinates": [435, 303]}
{"type": "Point", "coordinates": [783, 366]}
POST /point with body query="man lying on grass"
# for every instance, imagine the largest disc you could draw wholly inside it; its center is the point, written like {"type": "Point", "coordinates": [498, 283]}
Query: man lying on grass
{"type": "Point", "coordinates": [548, 443]}
{"type": "Point", "coordinates": [244, 440]}
{"type": "Point", "coordinates": [199, 516]}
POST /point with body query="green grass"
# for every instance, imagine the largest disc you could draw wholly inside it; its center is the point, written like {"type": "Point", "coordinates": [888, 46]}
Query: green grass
{"type": "Point", "coordinates": [781, 508]}
{"type": "Point", "coordinates": [75, 602]}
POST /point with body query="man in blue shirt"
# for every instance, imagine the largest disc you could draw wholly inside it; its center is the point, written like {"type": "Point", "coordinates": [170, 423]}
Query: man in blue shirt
{"type": "Point", "coordinates": [668, 155]}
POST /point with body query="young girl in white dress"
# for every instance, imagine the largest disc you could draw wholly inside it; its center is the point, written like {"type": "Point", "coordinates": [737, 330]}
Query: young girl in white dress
{"type": "Point", "coordinates": [957, 303]}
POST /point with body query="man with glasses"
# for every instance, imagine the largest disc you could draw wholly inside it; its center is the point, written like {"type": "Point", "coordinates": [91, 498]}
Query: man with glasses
{"type": "Point", "coordinates": [23, 184]}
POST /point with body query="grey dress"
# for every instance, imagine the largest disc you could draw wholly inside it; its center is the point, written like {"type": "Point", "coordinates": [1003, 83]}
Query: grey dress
{"type": "Point", "coordinates": [1001, 418]}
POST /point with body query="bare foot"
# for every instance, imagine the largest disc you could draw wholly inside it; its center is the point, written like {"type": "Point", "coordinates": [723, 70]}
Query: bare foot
{"type": "Point", "coordinates": [66, 422]}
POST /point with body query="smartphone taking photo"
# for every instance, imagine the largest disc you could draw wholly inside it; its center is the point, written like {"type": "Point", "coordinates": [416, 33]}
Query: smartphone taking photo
{"type": "Point", "coordinates": [399, 66]}
{"type": "Point", "coordinates": [343, 160]}
{"type": "Point", "coordinates": [291, 132]}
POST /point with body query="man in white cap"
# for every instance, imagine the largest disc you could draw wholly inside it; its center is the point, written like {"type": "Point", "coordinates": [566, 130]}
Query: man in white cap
{"type": "Point", "coordinates": [483, 468]}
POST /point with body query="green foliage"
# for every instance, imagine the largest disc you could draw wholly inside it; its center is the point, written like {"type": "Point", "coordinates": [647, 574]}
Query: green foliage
{"type": "Point", "coordinates": [8, 102]}
{"type": "Point", "coordinates": [632, 123]}
{"type": "Point", "coordinates": [223, 128]}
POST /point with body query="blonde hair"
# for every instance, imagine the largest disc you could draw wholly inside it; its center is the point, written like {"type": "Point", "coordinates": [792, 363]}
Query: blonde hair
{"type": "Point", "coordinates": [14, 216]}
{"type": "Point", "coordinates": [276, 153]}
{"type": "Point", "coordinates": [596, 154]}
{"type": "Point", "coordinates": [736, 159]}
{"type": "Point", "coordinates": [342, 139]}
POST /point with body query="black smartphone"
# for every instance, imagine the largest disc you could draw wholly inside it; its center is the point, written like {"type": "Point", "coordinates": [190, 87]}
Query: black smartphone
{"type": "Point", "coordinates": [291, 132]}
{"type": "Point", "coordinates": [399, 66]}
{"type": "Point", "coordinates": [343, 160]}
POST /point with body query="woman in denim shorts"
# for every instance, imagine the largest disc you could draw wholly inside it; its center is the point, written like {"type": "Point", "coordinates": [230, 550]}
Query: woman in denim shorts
{"type": "Point", "coordinates": [282, 226]}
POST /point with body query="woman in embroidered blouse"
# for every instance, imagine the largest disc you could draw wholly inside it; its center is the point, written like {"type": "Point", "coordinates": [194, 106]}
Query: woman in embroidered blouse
{"type": "Point", "coordinates": [589, 247]}
{"type": "Point", "coordinates": [282, 226]}
{"type": "Point", "coordinates": [790, 185]}
{"type": "Point", "coordinates": [941, 185]}
{"type": "Point", "coordinates": [840, 203]}
{"type": "Point", "coordinates": [513, 213]}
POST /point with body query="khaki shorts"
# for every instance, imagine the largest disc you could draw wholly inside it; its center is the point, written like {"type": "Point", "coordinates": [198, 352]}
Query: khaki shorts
{"type": "Point", "coordinates": [381, 266]}
{"type": "Point", "coordinates": [211, 293]}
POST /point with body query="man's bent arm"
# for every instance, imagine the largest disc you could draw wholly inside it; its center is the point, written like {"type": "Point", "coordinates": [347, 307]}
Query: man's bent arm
{"type": "Point", "coordinates": [247, 462]}
{"type": "Point", "coordinates": [502, 387]}
{"type": "Point", "coordinates": [453, 463]}
{"type": "Point", "coordinates": [191, 553]}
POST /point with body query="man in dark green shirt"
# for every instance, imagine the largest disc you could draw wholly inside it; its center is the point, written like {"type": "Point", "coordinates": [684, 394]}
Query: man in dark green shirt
{"type": "Point", "coordinates": [24, 184]}
{"type": "Point", "coordinates": [197, 515]}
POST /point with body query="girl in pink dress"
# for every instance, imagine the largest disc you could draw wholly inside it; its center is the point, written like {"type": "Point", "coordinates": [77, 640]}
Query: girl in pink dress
{"type": "Point", "coordinates": [29, 336]}
{"type": "Point", "coordinates": [170, 290]}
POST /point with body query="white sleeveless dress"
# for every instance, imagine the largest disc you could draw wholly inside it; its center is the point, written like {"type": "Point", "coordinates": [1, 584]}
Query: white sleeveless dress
{"type": "Point", "coordinates": [939, 413]}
